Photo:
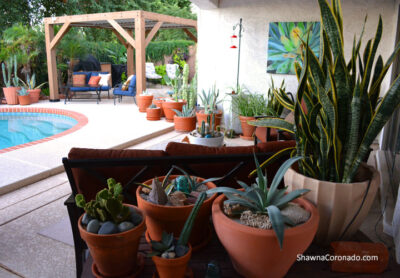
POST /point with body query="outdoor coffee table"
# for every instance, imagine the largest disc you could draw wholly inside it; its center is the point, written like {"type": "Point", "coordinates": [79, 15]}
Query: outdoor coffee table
{"type": "Point", "coordinates": [83, 94]}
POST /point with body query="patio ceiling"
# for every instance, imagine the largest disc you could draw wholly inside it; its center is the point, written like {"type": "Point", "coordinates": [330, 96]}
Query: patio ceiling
{"type": "Point", "coordinates": [122, 24]}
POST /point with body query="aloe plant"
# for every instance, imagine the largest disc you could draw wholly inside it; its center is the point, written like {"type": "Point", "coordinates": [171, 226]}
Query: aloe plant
{"type": "Point", "coordinates": [259, 198]}
{"type": "Point", "coordinates": [343, 113]}
{"type": "Point", "coordinates": [186, 111]}
{"type": "Point", "coordinates": [285, 47]}
{"type": "Point", "coordinates": [210, 99]}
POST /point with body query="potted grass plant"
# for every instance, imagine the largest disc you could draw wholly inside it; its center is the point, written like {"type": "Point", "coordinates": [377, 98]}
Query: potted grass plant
{"type": "Point", "coordinates": [171, 255]}
{"type": "Point", "coordinates": [23, 97]}
{"type": "Point", "coordinates": [167, 202]}
{"type": "Point", "coordinates": [209, 100]}
{"type": "Point", "coordinates": [144, 100]}
{"type": "Point", "coordinates": [10, 92]}
{"type": "Point", "coordinates": [185, 120]}
{"type": "Point", "coordinates": [334, 129]}
{"type": "Point", "coordinates": [112, 231]}
{"type": "Point", "coordinates": [263, 228]}
{"type": "Point", "coordinates": [207, 134]}
{"type": "Point", "coordinates": [33, 90]}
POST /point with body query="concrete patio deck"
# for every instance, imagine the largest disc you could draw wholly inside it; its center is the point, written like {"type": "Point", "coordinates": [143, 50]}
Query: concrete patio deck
{"type": "Point", "coordinates": [108, 126]}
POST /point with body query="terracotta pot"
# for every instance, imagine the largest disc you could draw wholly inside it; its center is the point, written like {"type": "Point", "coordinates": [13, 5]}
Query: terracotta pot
{"type": "Point", "coordinates": [114, 255]}
{"type": "Point", "coordinates": [153, 114]}
{"type": "Point", "coordinates": [34, 94]}
{"type": "Point", "coordinates": [203, 117]}
{"type": "Point", "coordinates": [159, 103]}
{"type": "Point", "coordinates": [255, 252]}
{"type": "Point", "coordinates": [168, 106]}
{"type": "Point", "coordinates": [209, 142]}
{"type": "Point", "coordinates": [172, 218]}
{"type": "Point", "coordinates": [247, 130]}
{"type": "Point", "coordinates": [11, 95]}
{"type": "Point", "coordinates": [337, 203]}
{"type": "Point", "coordinates": [143, 102]}
{"type": "Point", "coordinates": [172, 268]}
{"type": "Point", "coordinates": [24, 100]}
{"type": "Point", "coordinates": [185, 124]}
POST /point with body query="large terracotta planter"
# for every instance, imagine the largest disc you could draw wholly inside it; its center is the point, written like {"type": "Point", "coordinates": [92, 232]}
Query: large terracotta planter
{"type": "Point", "coordinates": [168, 107]}
{"type": "Point", "coordinates": [184, 124]}
{"type": "Point", "coordinates": [34, 95]}
{"type": "Point", "coordinates": [337, 203]}
{"type": "Point", "coordinates": [114, 255]}
{"type": "Point", "coordinates": [209, 142]}
{"type": "Point", "coordinates": [172, 218]}
{"type": "Point", "coordinates": [247, 130]}
{"type": "Point", "coordinates": [256, 252]}
{"type": "Point", "coordinates": [153, 114]}
{"type": "Point", "coordinates": [143, 102]}
{"type": "Point", "coordinates": [201, 116]}
{"type": "Point", "coordinates": [11, 95]}
{"type": "Point", "coordinates": [24, 100]}
{"type": "Point", "coordinates": [172, 268]}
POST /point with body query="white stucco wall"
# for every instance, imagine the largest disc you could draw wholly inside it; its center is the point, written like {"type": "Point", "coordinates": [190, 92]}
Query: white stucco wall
{"type": "Point", "coordinates": [217, 63]}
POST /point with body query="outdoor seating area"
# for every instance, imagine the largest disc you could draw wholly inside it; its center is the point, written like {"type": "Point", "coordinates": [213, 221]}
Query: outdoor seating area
{"type": "Point", "coordinates": [197, 138]}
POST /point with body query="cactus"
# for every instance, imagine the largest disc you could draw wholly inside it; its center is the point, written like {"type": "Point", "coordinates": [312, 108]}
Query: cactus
{"type": "Point", "coordinates": [15, 78]}
{"type": "Point", "coordinates": [203, 129]}
{"type": "Point", "coordinates": [11, 63]}
{"type": "Point", "coordinates": [108, 204]}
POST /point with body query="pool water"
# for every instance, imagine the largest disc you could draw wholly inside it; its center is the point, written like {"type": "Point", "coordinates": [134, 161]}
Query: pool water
{"type": "Point", "coordinates": [22, 127]}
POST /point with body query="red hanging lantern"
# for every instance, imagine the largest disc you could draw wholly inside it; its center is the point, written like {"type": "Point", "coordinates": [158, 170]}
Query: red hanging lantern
{"type": "Point", "coordinates": [233, 41]}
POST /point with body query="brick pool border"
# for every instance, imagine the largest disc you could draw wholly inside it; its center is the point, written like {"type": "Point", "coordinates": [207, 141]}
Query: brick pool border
{"type": "Point", "coordinates": [82, 121]}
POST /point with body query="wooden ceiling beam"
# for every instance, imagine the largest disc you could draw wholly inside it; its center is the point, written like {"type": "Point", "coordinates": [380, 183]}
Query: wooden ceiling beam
{"type": "Point", "coordinates": [190, 34]}
{"type": "Point", "coordinates": [120, 38]}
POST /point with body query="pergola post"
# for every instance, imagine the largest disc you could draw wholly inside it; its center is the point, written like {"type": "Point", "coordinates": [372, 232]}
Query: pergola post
{"type": "Point", "coordinates": [130, 66]}
{"type": "Point", "coordinates": [140, 48]}
{"type": "Point", "coordinates": [51, 62]}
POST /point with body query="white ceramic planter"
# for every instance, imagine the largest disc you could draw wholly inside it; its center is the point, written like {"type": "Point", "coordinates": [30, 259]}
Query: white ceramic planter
{"type": "Point", "coordinates": [337, 203]}
{"type": "Point", "coordinates": [209, 142]}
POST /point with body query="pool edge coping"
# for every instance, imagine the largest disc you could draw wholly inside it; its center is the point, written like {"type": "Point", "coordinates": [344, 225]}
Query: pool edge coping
{"type": "Point", "coordinates": [81, 119]}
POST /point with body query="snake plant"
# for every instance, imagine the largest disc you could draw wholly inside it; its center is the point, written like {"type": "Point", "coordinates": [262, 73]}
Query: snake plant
{"type": "Point", "coordinates": [259, 198]}
{"type": "Point", "coordinates": [341, 113]}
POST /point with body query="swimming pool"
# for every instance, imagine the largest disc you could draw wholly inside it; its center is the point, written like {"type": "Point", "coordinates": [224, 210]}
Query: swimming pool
{"type": "Point", "coordinates": [26, 127]}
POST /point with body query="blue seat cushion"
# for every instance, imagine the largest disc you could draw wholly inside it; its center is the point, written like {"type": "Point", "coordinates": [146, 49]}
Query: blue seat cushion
{"type": "Point", "coordinates": [80, 89]}
{"type": "Point", "coordinates": [123, 93]}
{"type": "Point", "coordinates": [105, 88]}
{"type": "Point", "coordinates": [96, 73]}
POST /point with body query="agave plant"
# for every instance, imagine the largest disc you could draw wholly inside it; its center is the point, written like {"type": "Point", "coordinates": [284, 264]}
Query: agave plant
{"type": "Point", "coordinates": [341, 113]}
{"type": "Point", "coordinates": [186, 111]}
{"type": "Point", "coordinates": [285, 47]}
{"type": "Point", "coordinates": [30, 83]}
{"type": "Point", "coordinates": [210, 99]}
{"type": "Point", "coordinates": [259, 198]}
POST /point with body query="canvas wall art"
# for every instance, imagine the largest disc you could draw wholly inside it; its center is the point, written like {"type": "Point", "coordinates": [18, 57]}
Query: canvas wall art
{"type": "Point", "coordinates": [284, 44]}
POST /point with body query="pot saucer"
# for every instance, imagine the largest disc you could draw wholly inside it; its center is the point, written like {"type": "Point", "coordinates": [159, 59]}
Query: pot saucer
{"type": "Point", "coordinates": [250, 138]}
{"type": "Point", "coordinates": [194, 247]}
{"type": "Point", "coordinates": [188, 273]}
{"type": "Point", "coordinates": [139, 268]}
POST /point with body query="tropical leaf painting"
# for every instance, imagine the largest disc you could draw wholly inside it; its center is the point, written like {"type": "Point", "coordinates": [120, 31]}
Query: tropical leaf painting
{"type": "Point", "coordinates": [284, 44]}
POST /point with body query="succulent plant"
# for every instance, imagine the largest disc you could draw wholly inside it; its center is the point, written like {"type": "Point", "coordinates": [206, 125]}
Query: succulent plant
{"type": "Point", "coordinates": [208, 130]}
{"type": "Point", "coordinates": [179, 247]}
{"type": "Point", "coordinates": [153, 106]}
{"type": "Point", "coordinates": [108, 204]}
{"type": "Point", "coordinates": [23, 92]}
{"type": "Point", "coordinates": [30, 83]}
{"type": "Point", "coordinates": [259, 198]}
{"type": "Point", "coordinates": [210, 100]}
{"type": "Point", "coordinates": [186, 111]}
{"type": "Point", "coordinates": [11, 63]}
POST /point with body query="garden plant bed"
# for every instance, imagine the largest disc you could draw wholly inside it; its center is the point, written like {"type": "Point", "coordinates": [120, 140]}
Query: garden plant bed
{"type": "Point", "coordinates": [215, 251]}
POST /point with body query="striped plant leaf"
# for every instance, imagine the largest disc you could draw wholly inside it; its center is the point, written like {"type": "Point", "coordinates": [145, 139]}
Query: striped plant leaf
{"type": "Point", "coordinates": [273, 122]}
{"type": "Point", "coordinates": [273, 159]}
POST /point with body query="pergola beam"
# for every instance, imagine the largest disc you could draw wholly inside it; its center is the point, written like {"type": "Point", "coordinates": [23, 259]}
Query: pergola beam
{"type": "Point", "coordinates": [60, 34]}
{"type": "Point", "coordinates": [153, 32]}
{"type": "Point", "coordinates": [190, 35]}
{"type": "Point", "coordinates": [122, 32]}
{"type": "Point", "coordinates": [120, 38]}
{"type": "Point", "coordinates": [130, 66]}
{"type": "Point", "coordinates": [140, 53]}
{"type": "Point", "coordinates": [51, 62]}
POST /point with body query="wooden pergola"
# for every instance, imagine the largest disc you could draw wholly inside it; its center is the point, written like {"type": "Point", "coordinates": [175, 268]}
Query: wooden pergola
{"type": "Point", "coordinates": [123, 24]}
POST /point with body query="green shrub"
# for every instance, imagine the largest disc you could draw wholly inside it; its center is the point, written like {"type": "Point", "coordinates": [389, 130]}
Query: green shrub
{"type": "Point", "coordinates": [156, 50]}
{"type": "Point", "coordinates": [161, 70]}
